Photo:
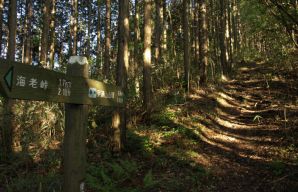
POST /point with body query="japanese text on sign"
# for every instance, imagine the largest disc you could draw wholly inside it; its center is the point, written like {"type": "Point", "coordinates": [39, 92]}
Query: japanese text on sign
{"type": "Point", "coordinates": [32, 82]}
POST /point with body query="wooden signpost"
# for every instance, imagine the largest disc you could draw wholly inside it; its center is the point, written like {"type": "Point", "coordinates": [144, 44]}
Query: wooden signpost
{"type": "Point", "coordinates": [20, 81]}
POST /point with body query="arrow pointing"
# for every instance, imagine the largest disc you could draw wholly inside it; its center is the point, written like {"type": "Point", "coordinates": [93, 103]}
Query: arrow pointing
{"type": "Point", "coordinates": [8, 78]}
{"type": "Point", "coordinates": [46, 85]}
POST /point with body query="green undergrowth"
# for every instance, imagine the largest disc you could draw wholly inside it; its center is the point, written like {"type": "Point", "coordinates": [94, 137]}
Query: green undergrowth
{"type": "Point", "coordinates": [35, 182]}
{"type": "Point", "coordinates": [277, 167]}
{"type": "Point", "coordinates": [160, 156]}
{"type": "Point", "coordinates": [21, 173]}
{"type": "Point", "coordinates": [111, 176]}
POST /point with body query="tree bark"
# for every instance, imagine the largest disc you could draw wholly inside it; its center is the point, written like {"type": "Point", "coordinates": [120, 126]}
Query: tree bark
{"type": "Point", "coordinates": [186, 45]}
{"type": "Point", "coordinates": [222, 41]}
{"type": "Point", "coordinates": [1, 22]}
{"type": "Point", "coordinates": [137, 36]}
{"type": "Point", "coordinates": [136, 51]}
{"type": "Point", "coordinates": [9, 122]}
{"type": "Point", "coordinates": [238, 26]}
{"type": "Point", "coordinates": [165, 23]}
{"type": "Point", "coordinates": [119, 115]}
{"type": "Point", "coordinates": [74, 27]}
{"type": "Point", "coordinates": [106, 67]}
{"type": "Point", "coordinates": [234, 27]}
{"type": "Point", "coordinates": [98, 44]}
{"type": "Point", "coordinates": [45, 34]}
{"type": "Point", "coordinates": [52, 34]}
{"type": "Point", "coordinates": [158, 32]}
{"type": "Point", "coordinates": [229, 36]}
{"type": "Point", "coordinates": [89, 22]}
{"type": "Point", "coordinates": [28, 33]}
{"type": "Point", "coordinates": [196, 32]}
{"type": "Point", "coordinates": [147, 84]}
{"type": "Point", "coordinates": [203, 43]}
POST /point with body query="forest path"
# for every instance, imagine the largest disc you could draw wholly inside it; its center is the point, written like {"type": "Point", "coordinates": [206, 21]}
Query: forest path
{"type": "Point", "coordinates": [248, 130]}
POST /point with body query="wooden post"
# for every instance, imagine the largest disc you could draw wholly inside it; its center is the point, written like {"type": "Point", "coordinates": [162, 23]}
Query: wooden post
{"type": "Point", "coordinates": [76, 121]}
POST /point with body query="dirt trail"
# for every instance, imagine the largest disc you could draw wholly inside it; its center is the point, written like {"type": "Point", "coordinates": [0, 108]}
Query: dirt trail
{"type": "Point", "coordinates": [249, 131]}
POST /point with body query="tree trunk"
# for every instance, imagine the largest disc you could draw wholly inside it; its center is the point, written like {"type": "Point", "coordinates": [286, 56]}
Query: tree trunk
{"type": "Point", "coordinates": [186, 45]}
{"type": "Point", "coordinates": [229, 33]}
{"type": "Point", "coordinates": [222, 32]}
{"type": "Point", "coordinates": [196, 33]}
{"type": "Point", "coordinates": [147, 89]}
{"type": "Point", "coordinates": [234, 26]}
{"type": "Point", "coordinates": [74, 27]}
{"type": "Point", "coordinates": [165, 23]}
{"type": "Point", "coordinates": [106, 67]}
{"type": "Point", "coordinates": [136, 54]}
{"type": "Point", "coordinates": [52, 35]}
{"type": "Point", "coordinates": [172, 45]}
{"type": "Point", "coordinates": [238, 26]}
{"type": "Point", "coordinates": [45, 34]}
{"type": "Point", "coordinates": [158, 32]}
{"type": "Point", "coordinates": [28, 33]}
{"type": "Point", "coordinates": [89, 20]}
{"type": "Point", "coordinates": [98, 45]}
{"type": "Point", "coordinates": [119, 115]}
{"type": "Point", "coordinates": [203, 41]}
{"type": "Point", "coordinates": [137, 36]}
{"type": "Point", "coordinates": [1, 22]}
{"type": "Point", "coordinates": [9, 122]}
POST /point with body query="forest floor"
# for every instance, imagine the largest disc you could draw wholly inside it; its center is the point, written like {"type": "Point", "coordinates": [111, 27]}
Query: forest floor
{"type": "Point", "coordinates": [248, 130]}
{"type": "Point", "coordinates": [241, 135]}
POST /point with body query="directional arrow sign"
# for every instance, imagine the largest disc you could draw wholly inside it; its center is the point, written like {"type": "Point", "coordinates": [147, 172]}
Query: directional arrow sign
{"type": "Point", "coordinates": [20, 81]}
{"type": "Point", "coordinates": [8, 78]}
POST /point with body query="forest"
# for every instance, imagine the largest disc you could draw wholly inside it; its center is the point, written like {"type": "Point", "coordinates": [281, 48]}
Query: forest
{"type": "Point", "coordinates": [209, 89]}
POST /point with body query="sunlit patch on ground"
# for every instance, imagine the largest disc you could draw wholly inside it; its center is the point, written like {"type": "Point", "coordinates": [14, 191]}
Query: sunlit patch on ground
{"type": "Point", "coordinates": [237, 135]}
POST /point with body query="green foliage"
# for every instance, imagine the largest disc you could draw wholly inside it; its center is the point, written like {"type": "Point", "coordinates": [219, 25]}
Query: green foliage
{"type": "Point", "coordinates": [110, 176]}
{"type": "Point", "coordinates": [262, 28]}
{"type": "Point", "coordinates": [149, 181]}
{"type": "Point", "coordinates": [278, 167]}
{"type": "Point", "coordinates": [163, 118]}
{"type": "Point", "coordinates": [148, 147]}
{"type": "Point", "coordinates": [166, 123]}
{"type": "Point", "coordinates": [38, 183]}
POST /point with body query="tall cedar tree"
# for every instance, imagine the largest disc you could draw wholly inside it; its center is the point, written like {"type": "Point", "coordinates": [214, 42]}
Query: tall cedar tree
{"type": "Point", "coordinates": [74, 27]}
{"type": "Point", "coordinates": [186, 45]}
{"type": "Point", "coordinates": [137, 38]}
{"type": "Point", "coordinates": [98, 45]}
{"type": "Point", "coordinates": [106, 67]}
{"type": "Point", "coordinates": [164, 28]}
{"type": "Point", "coordinates": [147, 84]}
{"type": "Point", "coordinates": [222, 39]}
{"type": "Point", "coordinates": [27, 58]}
{"type": "Point", "coordinates": [158, 31]}
{"type": "Point", "coordinates": [45, 33]}
{"type": "Point", "coordinates": [89, 23]}
{"type": "Point", "coordinates": [52, 34]}
{"type": "Point", "coordinates": [203, 43]}
{"type": "Point", "coordinates": [119, 115]}
{"type": "Point", "coordinates": [1, 22]}
{"type": "Point", "coordinates": [9, 131]}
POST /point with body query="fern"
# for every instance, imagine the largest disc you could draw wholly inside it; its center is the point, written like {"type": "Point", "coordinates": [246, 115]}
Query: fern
{"type": "Point", "coordinates": [149, 180]}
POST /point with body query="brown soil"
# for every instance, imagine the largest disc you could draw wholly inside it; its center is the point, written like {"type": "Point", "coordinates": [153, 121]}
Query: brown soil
{"type": "Point", "coordinates": [249, 130]}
